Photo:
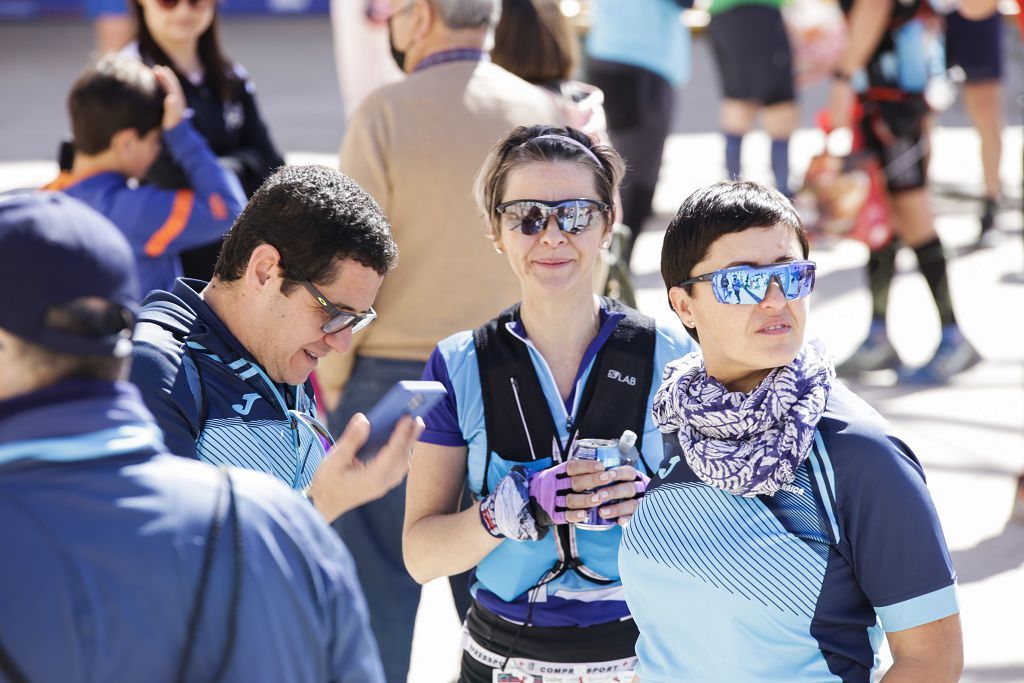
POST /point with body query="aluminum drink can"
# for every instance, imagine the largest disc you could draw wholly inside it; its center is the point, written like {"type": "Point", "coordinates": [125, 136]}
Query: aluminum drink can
{"type": "Point", "coordinates": [605, 451]}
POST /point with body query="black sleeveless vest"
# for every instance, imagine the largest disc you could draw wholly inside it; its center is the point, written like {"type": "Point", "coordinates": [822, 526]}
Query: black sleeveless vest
{"type": "Point", "coordinates": [614, 398]}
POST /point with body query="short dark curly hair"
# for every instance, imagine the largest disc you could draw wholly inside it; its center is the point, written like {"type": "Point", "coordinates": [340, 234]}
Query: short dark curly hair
{"type": "Point", "coordinates": [313, 215]}
{"type": "Point", "coordinates": [717, 210]}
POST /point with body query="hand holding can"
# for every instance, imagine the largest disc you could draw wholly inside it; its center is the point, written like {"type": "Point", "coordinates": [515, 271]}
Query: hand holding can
{"type": "Point", "coordinates": [611, 454]}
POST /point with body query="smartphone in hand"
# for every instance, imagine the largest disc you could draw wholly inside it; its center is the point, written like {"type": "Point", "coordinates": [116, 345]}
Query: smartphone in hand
{"type": "Point", "coordinates": [407, 397]}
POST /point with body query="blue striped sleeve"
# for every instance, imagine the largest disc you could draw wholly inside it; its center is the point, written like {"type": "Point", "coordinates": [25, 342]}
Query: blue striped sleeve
{"type": "Point", "coordinates": [889, 526]}
{"type": "Point", "coordinates": [920, 610]}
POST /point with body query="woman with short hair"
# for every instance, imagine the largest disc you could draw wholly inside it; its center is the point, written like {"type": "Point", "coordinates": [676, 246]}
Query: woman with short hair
{"type": "Point", "coordinates": [787, 527]}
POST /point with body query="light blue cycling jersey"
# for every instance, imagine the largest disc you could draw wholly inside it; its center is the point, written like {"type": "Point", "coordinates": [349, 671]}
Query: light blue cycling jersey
{"type": "Point", "coordinates": [500, 580]}
{"type": "Point", "coordinates": [644, 33]}
{"type": "Point", "coordinates": [795, 587]}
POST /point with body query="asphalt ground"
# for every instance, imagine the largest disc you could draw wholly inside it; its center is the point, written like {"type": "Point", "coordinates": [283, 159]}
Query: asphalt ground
{"type": "Point", "coordinates": [969, 433]}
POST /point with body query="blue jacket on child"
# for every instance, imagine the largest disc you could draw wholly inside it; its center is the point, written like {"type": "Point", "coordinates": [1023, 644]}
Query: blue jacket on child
{"type": "Point", "coordinates": [160, 224]}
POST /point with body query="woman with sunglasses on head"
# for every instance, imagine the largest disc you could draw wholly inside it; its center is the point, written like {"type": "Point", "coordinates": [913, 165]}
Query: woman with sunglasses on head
{"type": "Point", "coordinates": [787, 527]}
{"type": "Point", "coordinates": [183, 35]}
{"type": "Point", "coordinates": [524, 391]}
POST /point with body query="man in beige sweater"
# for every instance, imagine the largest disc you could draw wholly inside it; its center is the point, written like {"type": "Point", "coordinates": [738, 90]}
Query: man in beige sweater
{"type": "Point", "coordinates": [416, 146]}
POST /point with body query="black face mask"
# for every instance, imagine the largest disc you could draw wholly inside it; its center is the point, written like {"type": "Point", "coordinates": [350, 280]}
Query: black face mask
{"type": "Point", "coordinates": [396, 54]}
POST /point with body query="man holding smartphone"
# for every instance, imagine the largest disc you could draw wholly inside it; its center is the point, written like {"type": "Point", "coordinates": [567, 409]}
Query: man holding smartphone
{"type": "Point", "coordinates": [123, 562]}
{"type": "Point", "coordinates": [225, 366]}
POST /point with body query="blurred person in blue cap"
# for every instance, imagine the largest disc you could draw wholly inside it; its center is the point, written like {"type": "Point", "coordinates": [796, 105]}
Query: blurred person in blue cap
{"type": "Point", "coordinates": [129, 563]}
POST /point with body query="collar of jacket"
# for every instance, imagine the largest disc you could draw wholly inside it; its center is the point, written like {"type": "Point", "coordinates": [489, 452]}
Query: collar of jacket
{"type": "Point", "coordinates": [77, 420]}
{"type": "Point", "coordinates": [202, 326]}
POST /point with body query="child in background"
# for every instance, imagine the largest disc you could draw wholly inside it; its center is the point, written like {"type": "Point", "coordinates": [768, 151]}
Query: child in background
{"type": "Point", "coordinates": [121, 111]}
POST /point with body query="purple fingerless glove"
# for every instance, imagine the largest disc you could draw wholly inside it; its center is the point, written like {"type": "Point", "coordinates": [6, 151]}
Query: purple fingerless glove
{"type": "Point", "coordinates": [641, 482]}
{"type": "Point", "coordinates": [548, 489]}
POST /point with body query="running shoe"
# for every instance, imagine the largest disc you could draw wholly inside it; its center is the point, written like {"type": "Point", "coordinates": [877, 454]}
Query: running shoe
{"type": "Point", "coordinates": [876, 353]}
{"type": "Point", "coordinates": [953, 356]}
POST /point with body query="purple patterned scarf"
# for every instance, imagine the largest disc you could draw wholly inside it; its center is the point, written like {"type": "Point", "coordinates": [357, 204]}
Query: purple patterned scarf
{"type": "Point", "coordinates": [746, 444]}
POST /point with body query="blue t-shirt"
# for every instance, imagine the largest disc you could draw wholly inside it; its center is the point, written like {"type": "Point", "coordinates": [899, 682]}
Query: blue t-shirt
{"type": "Point", "coordinates": [569, 600]}
{"type": "Point", "coordinates": [644, 33]}
{"type": "Point", "coordinates": [794, 587]}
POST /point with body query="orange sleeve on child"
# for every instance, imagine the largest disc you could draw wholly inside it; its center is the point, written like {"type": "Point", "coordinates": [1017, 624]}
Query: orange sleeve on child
{"type": "Point", "coordinates": [218, 209]}
{"type": "Point", "coordinates": [173, 226]}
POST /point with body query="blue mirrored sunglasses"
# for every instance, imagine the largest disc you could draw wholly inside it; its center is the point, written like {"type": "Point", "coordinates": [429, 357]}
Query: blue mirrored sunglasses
{"type": "Point", "coordinates": [530, 216]}
{"type": "Point", "coordinates": [749, 284]}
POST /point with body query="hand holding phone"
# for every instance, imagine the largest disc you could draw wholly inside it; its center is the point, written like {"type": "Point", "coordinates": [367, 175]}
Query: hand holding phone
{"type": "Point", "coordinates": [371, 456]}
{"type": "Point", "coordinates": [415, 398]}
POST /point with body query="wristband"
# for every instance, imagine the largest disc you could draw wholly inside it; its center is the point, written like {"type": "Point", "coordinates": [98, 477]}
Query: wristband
{"type": "Point", "coordinates": [505, 512]}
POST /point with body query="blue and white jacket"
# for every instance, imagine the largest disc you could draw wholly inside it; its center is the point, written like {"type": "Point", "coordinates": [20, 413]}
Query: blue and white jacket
{"type": "Point", "coordinates": [503, 578]}
{"type": "Point", "coordinates": [105, 536]}
{"type": "Point", "coordinates": [212, 399]}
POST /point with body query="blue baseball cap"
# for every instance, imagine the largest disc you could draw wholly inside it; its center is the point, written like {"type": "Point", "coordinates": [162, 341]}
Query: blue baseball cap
{"type": "Point", "coordinates": [55, 251]}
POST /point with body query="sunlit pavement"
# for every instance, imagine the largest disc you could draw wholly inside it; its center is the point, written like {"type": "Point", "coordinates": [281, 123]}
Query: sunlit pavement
{"type": "Point", "coordinates": [969, 434]}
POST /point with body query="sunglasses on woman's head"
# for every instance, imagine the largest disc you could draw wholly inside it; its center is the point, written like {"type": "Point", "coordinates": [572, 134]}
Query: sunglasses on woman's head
{"type": "Point", "coordinates": [749, 284]}
{"type": "Point", "coordinates": [530, 216]}
{"type": "Point", "coordinates": [171, 4]}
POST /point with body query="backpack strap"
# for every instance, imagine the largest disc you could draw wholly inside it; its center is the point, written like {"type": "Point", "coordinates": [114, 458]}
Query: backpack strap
{"type": "Point", "coordinates": [616, 394]}
{"type": "Point", "coordinates": [518, 423]}
{"type": "Point", "coordinates": [221, 513]}
{"type": "Point", "coordinates": [520, 427]}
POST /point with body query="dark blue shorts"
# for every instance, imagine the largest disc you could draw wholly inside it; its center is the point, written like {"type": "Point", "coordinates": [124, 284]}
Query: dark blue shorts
{"type": "Point", "coordinates": [752, 51]}
{"type": "Point", "coordinates": [975, 46]}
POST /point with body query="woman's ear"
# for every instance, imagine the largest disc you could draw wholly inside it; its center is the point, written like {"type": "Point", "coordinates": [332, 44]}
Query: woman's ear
{"type": "Point", "coordinates": [682, 304]}
{"type": "Point", "coordinates": [494, 235]}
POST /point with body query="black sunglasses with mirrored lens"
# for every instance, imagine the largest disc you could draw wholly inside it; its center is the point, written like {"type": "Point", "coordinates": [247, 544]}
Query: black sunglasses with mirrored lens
{"type": "Point", "coordinates": [339, 319]}
{"type": "Point", "coordinates": [530, 216]}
